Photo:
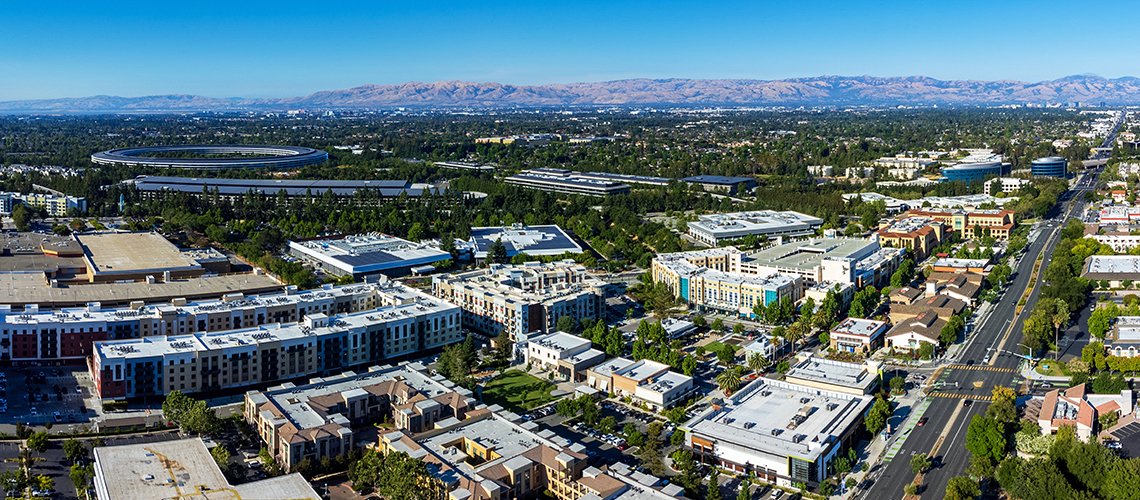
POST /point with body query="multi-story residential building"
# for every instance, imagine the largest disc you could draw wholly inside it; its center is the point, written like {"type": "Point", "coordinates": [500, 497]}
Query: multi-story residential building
{"type": "Point", "coordinates": [404, 322]}
{"type": "Point", "coordinates": [998, 223]}
{"type": "Point", "coordinates": [524, 298]}
{"type": "Point", "coordinates": [56, 206]}
{"type": "Point", "coordinates": [1080, 408]}
{"type": "Point", "coordinates": [33, 336]}
{"type": "Point", "coordinates": [181, 468]}
{"type": "Point", "coordinates": [316, 420]}
{"type": "Point", "coordinates": [494, 455]}
{"type": "Point", "coordinates": [715, 228]}
{"type": "Point", "coordinates": [726, 279]}
{"type": "Point", "coordinates": [1124, 339]}
{"type": "Point", "coordinates": [781, 432]}
{"type": "Point", "coordinates": [713, 289]}
{"type": "Point", "coordinates": [920, 235]}
{"type": "Point", "coordinates": [567, 355]}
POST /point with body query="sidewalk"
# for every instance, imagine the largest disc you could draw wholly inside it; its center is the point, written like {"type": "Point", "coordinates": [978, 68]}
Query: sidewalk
{"type": "Point", "coordinates": [878, 453]}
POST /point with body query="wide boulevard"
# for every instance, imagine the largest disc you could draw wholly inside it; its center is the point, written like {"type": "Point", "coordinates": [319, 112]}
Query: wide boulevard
{"type": "Point", "coordinates": [986, 360]}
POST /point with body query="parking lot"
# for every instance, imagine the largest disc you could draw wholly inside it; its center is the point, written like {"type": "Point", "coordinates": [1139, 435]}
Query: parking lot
{"type": "Point", "coordinates": [40, 395]}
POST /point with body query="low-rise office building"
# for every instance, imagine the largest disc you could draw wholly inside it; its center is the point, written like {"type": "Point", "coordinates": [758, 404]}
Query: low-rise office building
{"type": "Point", "coordinates": [557, 180]}
{"type": "Point", "coordinates": [363, 255]}
{"type": "Point", "coordinates": [316, 420]}
{"type": "Point", "coordinates": [404, 322]}
{"type": "Point", "coordinates": [910, 333]}
{"type": "Point", "coordinates": [524, 298]}
{"type": "Point", "coordinates": [601, 376]}
{"type": "Point", "coordinates": [1124, 339]}
{"type": "Point", "coordinates": [1112, 268]}
{"type": "Point", "coordinates": [715, 228]}
{"type": "Point", "coordinates": [975, 172]}
{"type": "Point", "coordinates": [778, 431]}
{"type": "Point", "coordinates": [961, 266]}
{"type": "Point", "coordinates": [995, 223]}
{"type": "Point", "coordinates": [921, 235]}
{"type": "Point", "coordinates": [720, 183]}
{"type": "Point", "coordinates": [858, 335]}
{"type": "Point", "coordinates": [1008, 185]}
{"type": "Point", "coordinates": [355, 192]}
{"type": "Point", "coordinates": [1079, 408]}
{"type": "Point", "coordinates": [567, 355]}
{"type": "Point", "coordinates": [652, 383]}
{"type": "Point", "coordinates": [519, 238]}
{"type": "Point", "coordinates": [181, 468]}
{"type": "Point", "coordinates": [837, 376]}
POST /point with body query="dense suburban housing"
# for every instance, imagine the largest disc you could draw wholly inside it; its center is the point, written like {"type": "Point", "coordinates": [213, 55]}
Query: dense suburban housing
{"type": "Point", "coordinates": [524, 298]}
{"type": "Point", "coordinates": [403, 322]}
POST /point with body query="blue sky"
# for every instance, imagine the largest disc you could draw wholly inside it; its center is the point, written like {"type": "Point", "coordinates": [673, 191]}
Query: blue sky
{"type": "Point", "coordinates": [54, 49]}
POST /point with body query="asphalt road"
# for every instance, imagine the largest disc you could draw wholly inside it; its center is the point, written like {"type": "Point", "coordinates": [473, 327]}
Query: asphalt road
{"type": "Point", "coordinates": [969, 377]}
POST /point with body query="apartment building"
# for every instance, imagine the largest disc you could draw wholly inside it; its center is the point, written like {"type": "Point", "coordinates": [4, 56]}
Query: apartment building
{"type": "Point", "coordinates": [317, 420]}
{"type": "Point", "coordinates": [405, 321]}
{"type": "Point", "coordinates": [32, 336]}
{"type": "Point", "coordinates": [524, 298]}
{"type": "Point", "coordinates": [921, 235]}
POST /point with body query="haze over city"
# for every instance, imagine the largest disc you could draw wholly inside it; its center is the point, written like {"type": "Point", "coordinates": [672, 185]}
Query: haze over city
{"type": "Point", "coordinates": [57, 49]}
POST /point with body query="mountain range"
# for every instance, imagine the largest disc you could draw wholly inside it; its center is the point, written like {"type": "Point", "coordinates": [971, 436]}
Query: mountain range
{"type": "Point", "coordinates": [815, 91]}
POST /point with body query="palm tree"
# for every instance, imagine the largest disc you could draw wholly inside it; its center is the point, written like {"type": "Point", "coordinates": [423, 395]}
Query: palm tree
{"type": "Point", "coordinates": [1060, 317]}
{"type": "Point", "coordinates": [757, 362]}
{"type": "Point", "coordinates": [728, 381]}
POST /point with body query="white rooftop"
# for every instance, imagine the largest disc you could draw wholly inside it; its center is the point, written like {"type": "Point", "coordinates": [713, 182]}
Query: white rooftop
{"type": "Point", "coordinates": [756, 222]}
{"type": "Point", "coordinates": [560, 341]}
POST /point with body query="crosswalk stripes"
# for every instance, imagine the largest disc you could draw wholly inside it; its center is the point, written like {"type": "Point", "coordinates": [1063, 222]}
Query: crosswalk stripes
{"type": "Point", "coordinates": [960, 396]}
{"type": "Point", "coordinates": [983, 367]}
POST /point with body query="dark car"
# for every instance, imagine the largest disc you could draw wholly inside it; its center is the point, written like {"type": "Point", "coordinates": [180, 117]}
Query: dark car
{"type": "Point", "coordinates": [970, 363]}
{"type": "Point", "coordinates": [967, 402]}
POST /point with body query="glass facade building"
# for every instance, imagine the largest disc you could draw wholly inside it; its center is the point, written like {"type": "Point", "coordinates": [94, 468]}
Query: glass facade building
{"type": "Point", "coordinates": [1053, 166]}
{"type": "Point", "coordinates": [974, 172]}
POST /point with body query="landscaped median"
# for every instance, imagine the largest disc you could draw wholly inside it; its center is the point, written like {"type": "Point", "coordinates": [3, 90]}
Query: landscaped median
{"type": "Point", "coordinates": [517, 391]}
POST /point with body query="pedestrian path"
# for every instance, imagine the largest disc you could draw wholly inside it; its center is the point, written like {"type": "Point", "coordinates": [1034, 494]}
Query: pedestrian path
{"type": "Point", "coordinates": [904, 433]}
{"type": "Point", "coordinates": [960, 396]}
{"type": "Point", "coordinates": [983, 368]}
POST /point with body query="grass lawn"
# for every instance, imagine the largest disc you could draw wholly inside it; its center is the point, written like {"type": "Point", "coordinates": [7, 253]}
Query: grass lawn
{"type": "Point", "coordinates": [714, 347]}
{"type": "Point", "coordinates": [1052, 368]}
{"type": "Point", "coordinates": [517, 391]}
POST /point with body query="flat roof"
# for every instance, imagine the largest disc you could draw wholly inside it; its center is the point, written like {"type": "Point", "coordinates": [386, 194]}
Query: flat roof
{"type": "Point", "coordinates": [667, 381]}
{"type": "Point", "coordinates": [808, 255]}
{"type": "Point", "coordinates": [861, 327]}
{"type": "Point", "coordinates": [112, 253]}
{"type": "Point", "coordinates": [718, 179]}
{"type": "Point", "coordinates": [768, 416]}
{"type": "Point", "coordinates": [755, 222]}
{"type": "Point", "coordinates": [30, 288]}
{"type": "Point", "coordinates": [291, 187]}
{"type": "Point", "coordinates": [640, 370]}
{"type": "Point", "coordinates": [609, 366]}
{"type": "Point", "coordinates": [560, 341]}
{"type": "Point", "coordinates": [369, 252]}
{"type": "Point", "coordinates": [508, 439]}
{"type": "Point", "coordinates": [183, 468]}
{"type": "Point", "coordinates": [948, 262]}
{"type": "Point", "coordinates": [519, 238]}
{"type": "Point", "coordinates": [1113, 264]}
{"type": "Point", "coordinates": [816, 369]}
{"type": "Point", "coordinates": [909, 225]}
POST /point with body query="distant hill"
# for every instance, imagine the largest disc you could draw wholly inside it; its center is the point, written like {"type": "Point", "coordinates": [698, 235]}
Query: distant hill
{"type": "Point", "coordinates": [823, 90]}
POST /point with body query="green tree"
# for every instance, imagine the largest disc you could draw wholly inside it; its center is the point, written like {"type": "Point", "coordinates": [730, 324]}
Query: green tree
{"type": "Point", "coordinates": [74, 449]}
{"type": "Point", "coordinates": [745, 491]}
{"type": "Point", "coordinates": [497, 252]}
{"type": "Point", "coordinates": [919, 463]}
{"type": "Point", "coordinates": [635, 438]}
{"type": "Point", "coordinates": [21, 217]}
{"type": "Point", "coordinates": [504, 347]}
{"type": "Point", "coordinates": [38, 441]}
{"type": "Point", "coordinates": [416, 233]}
{"type": "Point", "coordinates": [689, 366]}
{"type": "Point", "coordinates": [713, 492]}
{"type": "Point", "coordinates": [651, 450]}
{"type": "Point", "coordinates": [961, 488]}
{"type": "Point", "coordinates": [44, 483]}
{"type": "Point", "coordinates": [81, 476]}
{"type": "Point", "coordinates": [897, 383]}
{"type": "Point", "coordinates": [718, 324]}
{"type": "Point", "coordinates": [878, 415]}
{"type": "Point", "coordinates": [757, 362]}
{"type": "Point", "coordinates": [607, 424]}
{"type": "Point", "coordinates": [728, 381]}
{"type": "Point", "coordinates": [986, 437]}
{"type": "Point", "coordinates": [221, 456]}
{"type": "Point", "coordinates": [568, 325]}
